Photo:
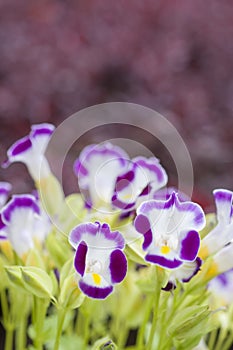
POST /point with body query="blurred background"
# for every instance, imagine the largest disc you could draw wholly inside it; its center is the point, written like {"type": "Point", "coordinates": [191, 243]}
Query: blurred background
{"type": "Point", "coordinates": [57, 57]}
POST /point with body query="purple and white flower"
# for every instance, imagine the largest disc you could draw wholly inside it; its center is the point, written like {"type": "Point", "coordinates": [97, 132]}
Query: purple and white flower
{"type": "Point", "coordinates": [99, 259]}
{"type": "Point", "coordinates": [5, 188]}
{"type": "Point", "coordinates": [170, 230]}
{"type": "Point", "coordinates": [183, 273]}
{"type": "Point", "coordinates": [22, 223]}
{"type": "Point", "coordinates": [97, 169]}
{"type": "Point", "coordinates": [222, 287]}
{"type": "Point", "coordinates": [30, 151]}
{"type": "Point", "coordinates": [142, 178]}
{"type": "Point", "coordinates": [222, 234]}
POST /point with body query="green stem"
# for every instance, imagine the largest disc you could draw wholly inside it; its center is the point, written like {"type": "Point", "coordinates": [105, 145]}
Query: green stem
{"type": "Point", "coordinates": [40, 306]}
{"type": "Point", "coordinates": [79, 329]}
{"type": "Point", "coordinates": [155, 311]}
{"type": "Point", "coordinates": [86, 328]}
{"type": "Point", "coordinates": [163, 322]}
{"type": "Point", "coordinates": [9, 339]}
{"type": "Point", "coordinates": [212, 339]}
{"type": "Point", "coordinates": [7, 321]}
{"type": "Point", "coordinates": [21, 334]}
{"type": "Point", "coordinates": [228, 342]}
{"type": "Point", "coordinates": [60, 322]}
{"type": "Point", "coordinates": [142, 329]}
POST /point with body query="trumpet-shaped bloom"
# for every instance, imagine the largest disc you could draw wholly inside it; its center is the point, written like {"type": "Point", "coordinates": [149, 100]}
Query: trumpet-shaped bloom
{"type": "Point", "coordinates": [5, 188]}
{"type": "Point", "coordinates": [97, 169]}
{"type": "Point", "coordinates": [170, 230]}
{"type": "Point", "coordinates": [22, 223]}
{"type": "Point", "coordinates": [30, 151]}
{"type": "Point", "coordinates": [142, 178]}
{"type": "Point", "coordinates": [222, 234]}
{"type": "Point", "coordinates": [99, 259]}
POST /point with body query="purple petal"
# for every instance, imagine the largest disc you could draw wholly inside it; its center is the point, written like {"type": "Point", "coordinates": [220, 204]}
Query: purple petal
{"type": "Point", "coordinates": [190, 246]}
{"type": "Point", "coordinates": [152, 164]}
{"type": "Point", "coordinates": [148, 237]}
{"type": "Point", "coordinates": [191, 214]}
{"type": "Point", "coordinates": [124, 180]}
{"type": "Point", "coordinates": [112, 235]}
{"type": "Point", "coordinates": [121, 205]}
{"type": "Point", "coordinates": [5, 188]}
{"type": "Point", "coordinates": [2, 224]}
{"type": "Point", "coordinates": [196, 269]}
{"type": "Point", "coordinates": [3, 234]}
{"type": "Point", "coordinates": [162, 261]}
{"type": "Point", "coordinates": [19, 147]}
{"type": "Point", "coordinates": [118, 266]}
{"type": "Point", "coordinates": [169, 286]}
{"type": "Point", "coordinates": [98, 234]}
{"type": "Point", "coordinates": [144, 175]}
{"type": "Point", "coordinates": [95, 292]}
{"type": "Point", "coordinates": [80, 258]}
{"type": "Point", "coordinates": [42, 129]}
{"type": "Point", "coordinates": [165, 193]}
{"type": "Point", "coordinates": [142, 225]}
{"type": "Point", "coordinates": [223, 201]}
{"type": "Point", "coordinates": [79, 169]}
{"type": "Point", "coordinates": [103, 163]}
{"type": "Point", "coordinates": [19, 201]}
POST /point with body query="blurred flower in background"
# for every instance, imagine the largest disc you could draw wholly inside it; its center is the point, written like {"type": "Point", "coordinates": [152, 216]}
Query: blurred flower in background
{"type": "Point", "coordinates": [175, 57]}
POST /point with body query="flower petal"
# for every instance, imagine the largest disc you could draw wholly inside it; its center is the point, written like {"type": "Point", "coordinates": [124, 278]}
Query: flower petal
{"type": "Point", "coordinates": [19, 215]}
{"type": "Point", "coordinates": [188, 215]}
{"type": "Point", "coordinates": [96, 235]}
{"type": "Point", "coordinates": [162, 261]}
{"type": "Point", "coordinates": [20, 151]}
{"type": "Point", "coordinates": [142, 225]}
{"type": "Point", "coordinates": [5, 188]}
{"type": "Point", "coordinates": [189, 245]}
{"type": "Point", "coordinates": [118, 266]}
{"type": "Point", "coordinates": [143, 176]}
{"type": "Point", "coordinates": [40, 135]}
{"type": "Point", "coordinates": [91, 289]}
{"type": "Point", "coordinates": [80, 258]}
{"type": "Point", "coordinates": [3, 229]}
{"type": "Point", "coordinates": [184, 273]}
{"type": "Point", "coordinates": [169, 260]}
{"type": "Point", "coordinates": [223, 201]}
{"type": "Point", "coordinates": [97, 169]}
{"type": "Point", "coordinates": [17, 204]}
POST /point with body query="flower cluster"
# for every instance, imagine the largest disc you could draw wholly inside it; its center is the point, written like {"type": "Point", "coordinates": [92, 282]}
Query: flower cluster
{"type": "Point", "coordinates": [124, 239]}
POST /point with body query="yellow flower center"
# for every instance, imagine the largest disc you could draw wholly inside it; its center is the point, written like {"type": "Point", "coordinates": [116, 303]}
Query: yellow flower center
{"type": "Point", "coordinates": [96, 278]}
{"type": "Point", "coordinates": [165, 249]}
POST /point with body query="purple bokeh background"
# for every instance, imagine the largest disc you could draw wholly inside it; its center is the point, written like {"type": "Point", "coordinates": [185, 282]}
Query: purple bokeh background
{"type": "Point", "coordinates": [58, 57]}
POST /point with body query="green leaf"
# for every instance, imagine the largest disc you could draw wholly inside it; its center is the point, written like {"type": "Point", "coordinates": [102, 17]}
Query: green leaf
{"type": "Point", "coordinates": [66, 270]}
{"type": "Point", "coordinates": [37, 282]}
{"type": "Point", "coordinates": [15, 276]}
{"type": "Point", "coordinates": [70, 296]}
{"type": "Point", "coordinates": [189, 321]}
{"type": "Point", "coordinates": [59, 248]}
{"type": "Point", "coordinates": [135, 254]}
